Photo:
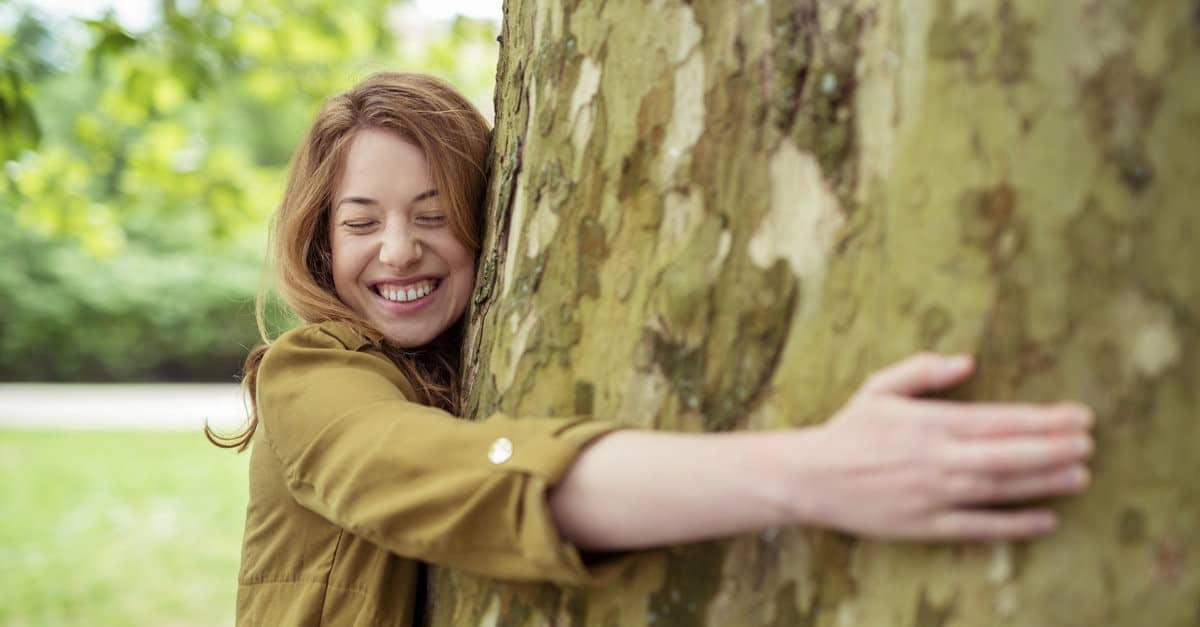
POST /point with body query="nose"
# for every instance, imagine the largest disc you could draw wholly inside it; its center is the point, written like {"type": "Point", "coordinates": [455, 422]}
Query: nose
{"type": "Point", "coordinates": [400, 248]}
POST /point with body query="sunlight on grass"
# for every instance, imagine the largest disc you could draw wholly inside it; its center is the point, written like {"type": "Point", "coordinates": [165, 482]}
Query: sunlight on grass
{"type": "Point", "coordinates": [118, 528]}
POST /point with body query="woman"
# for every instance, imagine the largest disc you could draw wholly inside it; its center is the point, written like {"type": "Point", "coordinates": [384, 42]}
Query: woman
{"type": "Point", "coordinates": [362, 472]}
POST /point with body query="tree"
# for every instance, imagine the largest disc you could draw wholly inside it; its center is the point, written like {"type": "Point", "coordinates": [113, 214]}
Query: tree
{"type": "Point", "coordinates": [723, 215]}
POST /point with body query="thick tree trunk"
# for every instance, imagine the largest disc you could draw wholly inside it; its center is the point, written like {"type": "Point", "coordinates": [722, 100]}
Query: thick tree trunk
{"type": "Point", "coordinates": [722, 215]}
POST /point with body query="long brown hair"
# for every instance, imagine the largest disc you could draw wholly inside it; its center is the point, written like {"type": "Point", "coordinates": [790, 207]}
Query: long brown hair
{"type": "Point", "coordinates": [454, 137]}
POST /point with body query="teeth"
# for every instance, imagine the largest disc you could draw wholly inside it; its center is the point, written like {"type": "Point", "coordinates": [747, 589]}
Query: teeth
{"type": "Point", "coordinates": [407, 295]}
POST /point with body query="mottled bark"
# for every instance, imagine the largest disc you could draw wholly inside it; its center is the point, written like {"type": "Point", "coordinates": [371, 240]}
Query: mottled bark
{"type": "Point", "coordinates": [718, 215]}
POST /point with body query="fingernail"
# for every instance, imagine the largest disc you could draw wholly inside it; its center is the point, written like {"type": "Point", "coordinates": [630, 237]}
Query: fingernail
{"type": "Point", "coordinates": [1083, 444]}
{"type": "Point", "coordinates": [1077, 477]}
{"type": "Point", "coordinates": [1081, 413]}
{"type": "Point", "coordinates": [958, 362]}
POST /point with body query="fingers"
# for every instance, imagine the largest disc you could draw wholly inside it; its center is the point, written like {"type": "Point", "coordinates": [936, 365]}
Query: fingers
{"type": "Point", "coordinates": [993, 525]}
{"type": "Point", "coordinates": [969, 489]}
{"type": "Point", "coordinates": [921, 373]}
{"type": "Point", "coordinates": [983, 420]}
{"type": "Point", "coordinates": [1017, 454]}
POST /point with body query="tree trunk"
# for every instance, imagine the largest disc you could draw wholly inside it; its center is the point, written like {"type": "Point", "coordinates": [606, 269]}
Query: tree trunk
{"type": "Point", "coordinates": [718, 215]}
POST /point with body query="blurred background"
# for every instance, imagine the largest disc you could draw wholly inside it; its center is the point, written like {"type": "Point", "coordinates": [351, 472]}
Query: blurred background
{"type": "Point", "coordinates": [144, 144]}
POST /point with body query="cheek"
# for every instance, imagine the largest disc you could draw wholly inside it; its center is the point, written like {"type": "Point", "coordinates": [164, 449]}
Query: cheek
{"type": "Point", "coordinates": [462, 263]}
{"type": "Point", "coordinates": [343, 264]}
{"type": "Point", "coordinates": [466, 271]}
{"type": "Point", "coordinates": [459, 258]}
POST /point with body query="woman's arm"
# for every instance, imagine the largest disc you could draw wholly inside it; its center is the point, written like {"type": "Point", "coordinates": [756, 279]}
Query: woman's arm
{"type": "Point", "coordinates": [888, 465]}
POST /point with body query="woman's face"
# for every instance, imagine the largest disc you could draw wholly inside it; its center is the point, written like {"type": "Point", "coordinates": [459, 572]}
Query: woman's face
{"type": "Point", "coordinates": [395, 260]}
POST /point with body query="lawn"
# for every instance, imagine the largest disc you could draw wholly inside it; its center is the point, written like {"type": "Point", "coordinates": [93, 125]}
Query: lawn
{"type": "Point", "coordinates": [118, 528]}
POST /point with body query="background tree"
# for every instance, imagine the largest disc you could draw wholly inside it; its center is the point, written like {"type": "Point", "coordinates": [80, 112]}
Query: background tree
{"type": "Point", "coordinates": [723, 215]}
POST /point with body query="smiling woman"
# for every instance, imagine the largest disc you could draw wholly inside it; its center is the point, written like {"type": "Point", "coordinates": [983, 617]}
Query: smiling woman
{"type": "Point", "coordinates": [396, 262]}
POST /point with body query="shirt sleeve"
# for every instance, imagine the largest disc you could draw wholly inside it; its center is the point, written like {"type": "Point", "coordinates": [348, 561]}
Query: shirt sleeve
{"type": "Point", "coordinates": [414, 479]}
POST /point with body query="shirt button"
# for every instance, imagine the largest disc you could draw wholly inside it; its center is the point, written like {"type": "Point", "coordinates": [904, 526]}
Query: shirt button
{"type": "Point", "coordinates": [501, 451]}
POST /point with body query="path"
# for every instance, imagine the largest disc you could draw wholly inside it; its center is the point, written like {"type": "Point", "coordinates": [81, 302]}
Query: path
{"type": "Point", "coordinates": [151, 406]}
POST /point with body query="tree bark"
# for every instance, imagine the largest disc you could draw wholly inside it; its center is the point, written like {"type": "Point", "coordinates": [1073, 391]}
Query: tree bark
{"type": "Point", "coordinates": [718, 215]}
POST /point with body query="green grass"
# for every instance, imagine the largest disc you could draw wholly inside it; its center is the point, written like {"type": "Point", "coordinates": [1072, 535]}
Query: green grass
{"type": "Point", "coordinates": [118, 528]}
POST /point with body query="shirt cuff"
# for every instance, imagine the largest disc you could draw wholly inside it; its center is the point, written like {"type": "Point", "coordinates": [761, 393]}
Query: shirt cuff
{"type": "Point", "coordinates": [549, 459]}
{"type": "Point", "coordinates": [544, 448]}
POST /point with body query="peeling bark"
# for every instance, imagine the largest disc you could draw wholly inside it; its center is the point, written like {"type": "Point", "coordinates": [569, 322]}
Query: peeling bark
{"type": "Point", "coordinates": [723, 215]}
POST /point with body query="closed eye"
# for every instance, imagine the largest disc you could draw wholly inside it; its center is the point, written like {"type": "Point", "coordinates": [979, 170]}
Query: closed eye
{"type": "Point", "coordinates": [431, 219]}
{"type": "Point", "coordinates": [359, 224]}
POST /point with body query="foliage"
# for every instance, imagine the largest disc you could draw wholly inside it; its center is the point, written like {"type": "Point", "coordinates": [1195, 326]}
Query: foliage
{"type": "Point", "coordinates": [113, 528]}
{"type": "Point", "coordinates": [142, 168]}
{"type": "Point", "coordinates": [20, 61]}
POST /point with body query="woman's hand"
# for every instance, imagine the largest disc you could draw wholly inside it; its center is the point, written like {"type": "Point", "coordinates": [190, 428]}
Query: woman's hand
{"type": "Point", "coordinates": [892, 465]}
{"type": "Point", "coordinates": [888, 465]}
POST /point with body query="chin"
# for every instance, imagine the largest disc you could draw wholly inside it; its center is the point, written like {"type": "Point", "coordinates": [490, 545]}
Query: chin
{"type": "Point", "coordinates": [408, 340]}
{"type": "Point", "coordinates": [410, 337]}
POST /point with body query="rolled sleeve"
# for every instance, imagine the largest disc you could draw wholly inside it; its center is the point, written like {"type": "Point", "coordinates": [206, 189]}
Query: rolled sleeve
{"type": "Point", "coordinates": [413, 479]}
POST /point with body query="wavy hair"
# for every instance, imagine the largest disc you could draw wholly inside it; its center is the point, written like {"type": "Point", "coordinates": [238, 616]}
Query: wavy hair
{"type": "Point", "coordinates": [454, 137]}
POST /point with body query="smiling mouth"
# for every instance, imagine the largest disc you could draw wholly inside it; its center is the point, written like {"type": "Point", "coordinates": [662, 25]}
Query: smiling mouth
{"type": "Point", "coordinates": [409, 293]}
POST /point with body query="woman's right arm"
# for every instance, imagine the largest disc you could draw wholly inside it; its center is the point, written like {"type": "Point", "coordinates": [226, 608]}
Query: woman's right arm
{"type": "Point", "coordinates": [888, 465]}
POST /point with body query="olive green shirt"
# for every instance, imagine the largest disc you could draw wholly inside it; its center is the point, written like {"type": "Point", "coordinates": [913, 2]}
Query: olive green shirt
{"type": "Point", "coordinates": [352, 484]}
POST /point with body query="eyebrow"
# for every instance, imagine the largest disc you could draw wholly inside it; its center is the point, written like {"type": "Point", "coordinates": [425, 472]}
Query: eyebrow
{"type": "Point", "coordinates": [363, 200]}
